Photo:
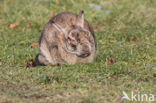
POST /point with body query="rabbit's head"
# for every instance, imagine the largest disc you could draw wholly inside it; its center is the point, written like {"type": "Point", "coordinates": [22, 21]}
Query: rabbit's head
{"type": "Point", "coordinates": [79, 40]}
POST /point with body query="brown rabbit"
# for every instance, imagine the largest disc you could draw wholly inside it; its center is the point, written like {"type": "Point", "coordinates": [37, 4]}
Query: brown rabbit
{"type": "Point", "coordinates": [67, 39]}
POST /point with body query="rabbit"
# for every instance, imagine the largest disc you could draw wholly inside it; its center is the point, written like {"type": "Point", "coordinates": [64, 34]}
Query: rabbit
{"type": "Point", "coordinates": [67, 39]}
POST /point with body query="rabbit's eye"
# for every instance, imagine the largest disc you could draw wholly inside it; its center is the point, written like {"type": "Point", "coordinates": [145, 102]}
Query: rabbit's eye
{"type": "Point", "coordinates": [68, 38]}
{"type": "Point", "coordinates": [73, 46]}
{"type": "Point", "coordinates": [71, 41]}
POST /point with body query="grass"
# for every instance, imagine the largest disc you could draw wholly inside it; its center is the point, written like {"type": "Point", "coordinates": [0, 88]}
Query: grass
{"type": "Point", "coordinates": [127, 34]}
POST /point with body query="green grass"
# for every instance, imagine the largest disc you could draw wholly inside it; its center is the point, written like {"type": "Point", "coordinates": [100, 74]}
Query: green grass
{"type": "Point", "coordinates": [127, 34]}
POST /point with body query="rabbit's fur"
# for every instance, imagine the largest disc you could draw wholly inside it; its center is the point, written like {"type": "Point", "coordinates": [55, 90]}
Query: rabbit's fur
{"type": "Point", "coordinates": [67, 39]}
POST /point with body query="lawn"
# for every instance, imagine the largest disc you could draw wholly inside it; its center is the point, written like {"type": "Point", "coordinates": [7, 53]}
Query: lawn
{"type": "Point", "coordinates": [126, 61]}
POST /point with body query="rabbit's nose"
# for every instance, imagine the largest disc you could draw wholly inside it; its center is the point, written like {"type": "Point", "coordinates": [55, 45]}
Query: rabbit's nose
{"type": "Point", "coordinates": [85, 52]}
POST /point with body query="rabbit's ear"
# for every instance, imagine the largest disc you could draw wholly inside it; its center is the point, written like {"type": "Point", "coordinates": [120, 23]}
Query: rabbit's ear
{"type": "Point", "coordinates": [80, 21]}
{"type": "Point", "coordinates": [58, 27]}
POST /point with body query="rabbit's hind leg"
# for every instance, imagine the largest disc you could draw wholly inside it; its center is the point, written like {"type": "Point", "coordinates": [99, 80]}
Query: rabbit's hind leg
{"type": "Point", "coordinates": [41, 60]}
{"type": "Point", "coordinates": [45, 56]}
